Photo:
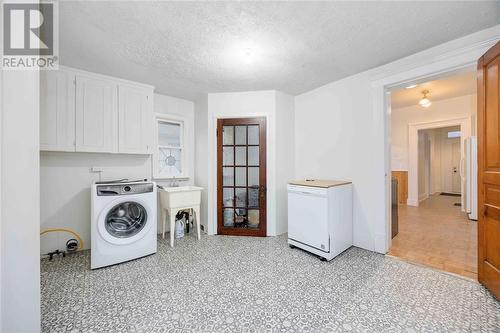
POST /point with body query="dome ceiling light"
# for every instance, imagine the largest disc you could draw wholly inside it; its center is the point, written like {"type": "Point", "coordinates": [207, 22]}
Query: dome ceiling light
{"type": "Point", "coordinates": [424, 101]}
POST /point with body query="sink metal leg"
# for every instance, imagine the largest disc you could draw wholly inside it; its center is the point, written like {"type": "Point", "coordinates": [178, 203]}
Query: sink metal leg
{"type": "Point", "coordinates": [163, 222]}
{"type": "Point", "coordinates": [172, 227]}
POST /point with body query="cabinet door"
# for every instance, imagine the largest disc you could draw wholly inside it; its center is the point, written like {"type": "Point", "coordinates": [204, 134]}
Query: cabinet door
{"type": "Point", "coordinates": [135, 118]}
{"type": "Point", "coordinates": [96, 115]}
{"type": "Point", "coordinates": [57, 111]}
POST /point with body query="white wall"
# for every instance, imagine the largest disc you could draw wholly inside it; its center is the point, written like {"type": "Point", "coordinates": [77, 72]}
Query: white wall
{"type": "Point", "coordinates": [340, 130]}
{"type": "Point", "coordinates": [269, 104]}
{"type": "Point", "coordinates": [435, 160]}
{"type": "Point", "coordinates": [337, 137]}
{"type": "Point", "coordinates": [285, 156]}
{"type": "Point", "coordinates": [20, 213]}
{"type": "Point", "coordinates": [66, 178]}
{"type": "Point", "coordinates": [201, 155]}
{"type": "Point", "coordinates": [453, 108]}
{"type": "Point", "coordinates": [424, 172]}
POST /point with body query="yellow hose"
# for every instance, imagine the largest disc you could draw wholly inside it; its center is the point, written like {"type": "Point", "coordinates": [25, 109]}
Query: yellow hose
{"type": "Point", "coordinates": [80, 240]}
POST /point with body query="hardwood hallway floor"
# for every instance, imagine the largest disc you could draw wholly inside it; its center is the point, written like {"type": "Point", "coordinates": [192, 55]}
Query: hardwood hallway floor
{"type": "Point", "coordinates": [439, 235]}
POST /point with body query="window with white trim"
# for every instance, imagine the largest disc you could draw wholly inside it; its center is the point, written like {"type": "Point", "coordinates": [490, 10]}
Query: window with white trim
{"type": "Point", "coordinates": [169, 161]}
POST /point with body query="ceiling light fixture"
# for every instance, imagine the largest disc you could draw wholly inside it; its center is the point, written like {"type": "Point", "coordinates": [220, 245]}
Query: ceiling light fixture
{"type": "Point", "coordinates": [243, 56]}
{"type": "Point", "coordinates": [424, 101]}
{"type": "Point", "coordinates": [248, 52]}
{"type": "Point", "coordinates": [411, 86]}
{"type": "Point", "coordinates": [248, 55]}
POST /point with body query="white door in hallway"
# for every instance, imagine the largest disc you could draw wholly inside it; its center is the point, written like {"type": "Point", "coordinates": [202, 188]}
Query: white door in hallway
{"type": "Point", "coordinates": [456, 179]}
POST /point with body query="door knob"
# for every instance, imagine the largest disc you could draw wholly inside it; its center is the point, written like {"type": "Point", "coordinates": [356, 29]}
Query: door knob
{"type": "Point", "coordinates": [262, 191]}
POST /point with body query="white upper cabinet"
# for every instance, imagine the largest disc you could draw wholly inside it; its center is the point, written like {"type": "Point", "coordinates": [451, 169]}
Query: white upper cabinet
{"type": "Point", "coordinates": [96, 115]}
{"type": "Point", "coordinates": [135, 120]}
{"type": "Point", "coordinates": [57, 111]}
{"type": "Point", "coordinates": [87, 112]}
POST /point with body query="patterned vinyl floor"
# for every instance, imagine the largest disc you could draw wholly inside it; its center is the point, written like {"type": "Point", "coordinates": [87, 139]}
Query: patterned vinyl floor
{"type": "Point", "coordinates": [242, 284]}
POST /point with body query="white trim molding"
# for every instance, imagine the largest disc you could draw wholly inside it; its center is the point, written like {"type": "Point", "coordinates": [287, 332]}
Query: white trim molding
{"type": "Point", "coordinates": [451, 57]}
{"type": "Point", "coordinates": [182, 121]}
{"type": "Point", "coordinates": [465, 128]}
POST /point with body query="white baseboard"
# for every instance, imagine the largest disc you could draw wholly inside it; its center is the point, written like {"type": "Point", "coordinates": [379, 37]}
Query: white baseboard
{"type": "Point", "coordinates": [423, 197]}
{"type": "Point", "coordinates": [381, 243]}
{"type": "Point", "coordinates": [412, 202]}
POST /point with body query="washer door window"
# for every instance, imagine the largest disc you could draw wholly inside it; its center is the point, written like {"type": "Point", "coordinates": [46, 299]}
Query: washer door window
{"type": "Point", "coordinates": [126, 219]}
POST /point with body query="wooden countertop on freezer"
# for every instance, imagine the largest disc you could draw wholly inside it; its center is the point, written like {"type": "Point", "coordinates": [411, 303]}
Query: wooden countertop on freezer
{"type": "Point", "coordinates": [319, 182]}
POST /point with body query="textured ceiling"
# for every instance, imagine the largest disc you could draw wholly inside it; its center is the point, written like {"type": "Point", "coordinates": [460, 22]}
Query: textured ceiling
{"type": "Point", "coordinates": [448, 87]}
{"type": "Point", "coordinates": [187, 49]}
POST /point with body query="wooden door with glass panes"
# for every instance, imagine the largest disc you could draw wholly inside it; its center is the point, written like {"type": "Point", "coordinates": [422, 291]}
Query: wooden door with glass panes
{"type": "Point", "coordinates": [241, 176]}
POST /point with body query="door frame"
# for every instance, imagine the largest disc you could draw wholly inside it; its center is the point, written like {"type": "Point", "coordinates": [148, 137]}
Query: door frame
{"type": "Point", "coordinates": [212, 167]}
{"type": "Point", "coordinates": [451, 58]}
{"type": "Point", "coordinates": [262, 121]}
{"type": "Point", "coordinates": [413, 128]}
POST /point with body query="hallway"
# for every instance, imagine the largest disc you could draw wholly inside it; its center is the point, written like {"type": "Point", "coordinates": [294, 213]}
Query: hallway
{"type": "Point", "coordinates": [437, 234]}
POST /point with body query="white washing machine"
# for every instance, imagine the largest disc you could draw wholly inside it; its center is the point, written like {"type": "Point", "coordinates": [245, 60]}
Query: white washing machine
{"type": "Point", "coordinates": [123, 222]}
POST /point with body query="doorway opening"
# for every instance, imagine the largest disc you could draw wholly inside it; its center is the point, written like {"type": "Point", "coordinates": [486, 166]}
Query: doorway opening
{"type": "Point", "coordinates": [431, 125]}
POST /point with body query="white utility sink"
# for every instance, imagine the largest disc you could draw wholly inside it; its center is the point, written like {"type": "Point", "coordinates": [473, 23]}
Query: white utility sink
{"type": "Point", "coordinates": [174, 199]}
{"type": "Point", "coordinates": [180, 196]}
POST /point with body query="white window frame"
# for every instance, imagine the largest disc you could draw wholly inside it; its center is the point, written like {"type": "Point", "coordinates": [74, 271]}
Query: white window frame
{"type": "Point", "coordinates": [164, 118]}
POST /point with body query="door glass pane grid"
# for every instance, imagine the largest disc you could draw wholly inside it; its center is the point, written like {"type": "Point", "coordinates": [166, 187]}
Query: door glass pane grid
{"type": "Point", "coordinates": [228, 217]}
{"type": "Point", "coordinates": [253, 135]}
{"type": "Point", "coordinates": [253, 218]}
{"type": "Point", "coordinates": [241, 154]}
{"type": "Point", "coordinates": [253, 177]}
{"type": "Point", "coordinates": [227, 176]}
{"type": "Point", "coordinates": [228, 196]}
{"type": "Point", "coordinates": [240, 136]}
{"type": "Point", "coordinates": [253, 197]}
{"type": "Point", "coordinates": [253, 155]}
{"type": "Point", "coordinates": [228, 156]}
{"type": "Point", "coordinates": [228, 135]}
{"type": "Point", "coordinates": [240, 176]}
{"type": "Point", "coordinates": [240, 218]}
{"type": "Point", "coordinates": [241, 198]}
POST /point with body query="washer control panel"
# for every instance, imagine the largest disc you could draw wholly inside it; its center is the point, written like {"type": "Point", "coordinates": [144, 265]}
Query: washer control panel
{"type": "Point", "coordinates": [124, 189]}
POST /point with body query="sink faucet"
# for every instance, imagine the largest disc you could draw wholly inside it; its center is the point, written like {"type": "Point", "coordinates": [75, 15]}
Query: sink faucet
{"type": "Point", "coordinates": [174, 182]}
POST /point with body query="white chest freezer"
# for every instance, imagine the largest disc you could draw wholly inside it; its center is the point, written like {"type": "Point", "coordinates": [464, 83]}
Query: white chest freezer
{"type": "Point", "coordinates": [320, 216]}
